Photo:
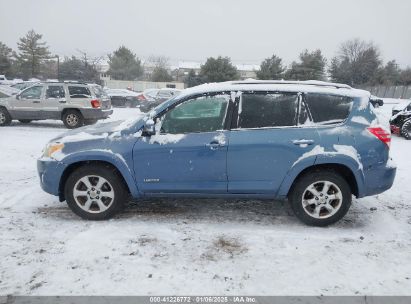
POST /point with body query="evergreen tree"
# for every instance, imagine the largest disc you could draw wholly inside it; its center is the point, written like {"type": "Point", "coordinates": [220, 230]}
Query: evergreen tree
{"type": "Point", "coordinates": [160, 74]}
{"type": "Point", "coordinates": [192, 79]}
{"type": "Point", "coordinates": [124, 65]}
{"type": "Point", "coordinates": [5, 59]}
{"type": "Point", "coordinates": [218, 69]}
{"type": "Point", "coordinates": [310, 67]}
{"type": "Point", "coordinates": [76, 69]}
{"type": "Point", "coordinates": [32, 53]}
{"type": "Point", "coordinates": [271, 68]}
{"type": "Point", "coordinates": [389, 74]}
{"type": "Point", "coordinates": [405, 76]}
{"type": "Point", "coordinates": [161, 69]}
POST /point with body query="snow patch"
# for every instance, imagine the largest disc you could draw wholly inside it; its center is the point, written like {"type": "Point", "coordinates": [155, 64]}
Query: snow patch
{"type": "Point", "coordinates": [360, 120]}
{"type": "Point", "coordinates": [349, 151]}
{"type": "Point", "coordinates": [315, 151]}
{"type": "Point", "coordinates": [81, 137]}
{"type": "Point", "coordinates": [164, 139]}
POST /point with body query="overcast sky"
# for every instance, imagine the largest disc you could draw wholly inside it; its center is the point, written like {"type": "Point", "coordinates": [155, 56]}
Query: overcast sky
{"type": "Point", "coordinates": [192, 30]}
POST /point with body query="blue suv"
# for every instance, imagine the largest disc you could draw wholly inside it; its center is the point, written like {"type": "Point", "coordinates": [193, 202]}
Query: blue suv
{"type": "Point", "coordinates": [315, 143]}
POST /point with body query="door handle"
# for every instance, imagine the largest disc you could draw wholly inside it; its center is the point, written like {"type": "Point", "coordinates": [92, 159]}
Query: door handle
{"type": "Point", "coordinates": [303, 142]}
{"type": "Point", "coordinates": [214, 145]}
{"type": "Point", "coordinates": [36, 101]}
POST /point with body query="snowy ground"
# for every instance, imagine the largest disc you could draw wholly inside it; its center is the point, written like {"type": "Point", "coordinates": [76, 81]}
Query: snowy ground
{"type": "Point", "coordinates": [194, 246]}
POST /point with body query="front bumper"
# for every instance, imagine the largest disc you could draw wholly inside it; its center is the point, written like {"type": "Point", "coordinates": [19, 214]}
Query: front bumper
{"type": "Point", "coordinates": [50, 172]}
{"type": "Point", "coordinates": [96, 113]}
{"type": "Point", "coordinates": [379, 179]}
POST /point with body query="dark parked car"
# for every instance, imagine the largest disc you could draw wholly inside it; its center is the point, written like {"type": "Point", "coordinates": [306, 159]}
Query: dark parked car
{"type": "Point", "coordinates": [376, 101]}
{"type": "Point", "coordinates": [124, 98]}
{"type": "Point", "coordinates": [400, 122]}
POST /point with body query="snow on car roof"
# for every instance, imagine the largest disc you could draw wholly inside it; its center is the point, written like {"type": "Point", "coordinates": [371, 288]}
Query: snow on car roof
{"type": "Point", "coordinates": [310, 86]}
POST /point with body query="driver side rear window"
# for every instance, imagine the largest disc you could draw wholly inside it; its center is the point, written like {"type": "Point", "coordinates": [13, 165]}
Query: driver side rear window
{"type": "Point", "coordinates": [262, 110]}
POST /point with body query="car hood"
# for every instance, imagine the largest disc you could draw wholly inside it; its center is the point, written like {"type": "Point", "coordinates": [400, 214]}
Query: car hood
{"type": "Point", "coordinates": [111, 130]}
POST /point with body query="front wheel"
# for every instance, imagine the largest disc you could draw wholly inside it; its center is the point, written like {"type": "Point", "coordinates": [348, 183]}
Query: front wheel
{"type": "Point", "coordinates": [320, 198]}
{"type": "Point", "coordinates": [5, 118]}
{"type": "Point", "coordinates": [95, 192]}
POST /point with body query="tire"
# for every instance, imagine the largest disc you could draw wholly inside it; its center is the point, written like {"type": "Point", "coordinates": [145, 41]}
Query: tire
{"type": "Point", "coordinates": [406, 129]}
{"type": "Point", "coordinates": [90, 121]}
{"type": "Point", "coordinates": [73, 119]}
{"type": "Point", "coordinates": [311, 202]}
{"type": "Point", "coordinates": [25, 121]}
{"type": "Point", "coordinates": [101, 203]}
{"type": "Point", "coordinates": [5, 118]}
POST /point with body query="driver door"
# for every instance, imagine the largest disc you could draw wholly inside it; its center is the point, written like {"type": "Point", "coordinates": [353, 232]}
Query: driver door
{"type": "Point", "coordinates": [188, 153]}
{"type": "Point", "coordinates": [28, 104]}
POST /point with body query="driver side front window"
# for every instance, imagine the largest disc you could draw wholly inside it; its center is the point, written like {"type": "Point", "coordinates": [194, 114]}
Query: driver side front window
{"type": "Point", "coordinates": [202, 114]}
{"type": "Point", "coordinates": [32, 93]}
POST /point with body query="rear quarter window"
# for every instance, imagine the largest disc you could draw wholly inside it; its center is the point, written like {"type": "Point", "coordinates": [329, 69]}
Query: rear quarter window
{"type": "Point", "coordinates": [79, 92]}
{"type": "Point", "coordinates": [328, 109]}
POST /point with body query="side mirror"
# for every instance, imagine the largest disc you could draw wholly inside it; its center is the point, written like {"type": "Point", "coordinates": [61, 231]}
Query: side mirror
{"type": "Point", "coordinates": [18, 96]}
{"type": "Point", "coordinates": [149, 128]}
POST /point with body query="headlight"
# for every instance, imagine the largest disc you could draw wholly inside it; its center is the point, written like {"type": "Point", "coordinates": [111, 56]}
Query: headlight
{"type": "Point", "coordinates": [52, 148]}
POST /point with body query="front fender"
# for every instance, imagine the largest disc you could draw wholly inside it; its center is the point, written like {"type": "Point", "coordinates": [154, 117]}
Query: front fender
{"type": "Point", "coordinates": [124, 166]}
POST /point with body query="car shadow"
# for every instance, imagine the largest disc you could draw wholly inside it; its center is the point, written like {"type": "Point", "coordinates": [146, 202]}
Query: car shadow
{"type": "Point", "coordinates": [215, 211]}
{"type": "Point", "coordinates": [40, 124]}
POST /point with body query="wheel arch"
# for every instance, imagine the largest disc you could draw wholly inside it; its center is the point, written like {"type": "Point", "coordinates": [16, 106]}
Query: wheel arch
{"type": "Point", "coordinates": [127, 179]}
{"type": "Point", "coordinates": [347, 169]}
{"type": "Point", "coordinates": [68, 109]}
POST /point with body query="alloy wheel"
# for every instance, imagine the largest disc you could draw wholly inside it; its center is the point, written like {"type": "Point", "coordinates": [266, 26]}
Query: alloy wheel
{"type": "Point", "coordinates": [322, 199]}
{"type": "Point", "coordinates": [72, 120]}
{"type": "Point", "coordinates": [93, 194]}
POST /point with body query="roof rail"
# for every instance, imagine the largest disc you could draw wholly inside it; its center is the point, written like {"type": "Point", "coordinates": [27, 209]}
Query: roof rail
{"type": "Point", "coordinates": [292, 82]}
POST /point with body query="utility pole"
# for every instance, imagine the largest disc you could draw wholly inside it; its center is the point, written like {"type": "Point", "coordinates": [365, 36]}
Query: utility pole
{"type": "Point", "coordinates": [58, 67]}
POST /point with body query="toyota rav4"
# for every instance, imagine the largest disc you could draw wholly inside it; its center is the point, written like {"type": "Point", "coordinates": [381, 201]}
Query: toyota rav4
{"type": "Point", "coordinates": [315, 143]}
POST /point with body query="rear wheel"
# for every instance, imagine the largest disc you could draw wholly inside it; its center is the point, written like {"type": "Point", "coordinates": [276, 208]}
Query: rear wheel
{"type": "Point", "coordinates": [5, 118]}
{"type": "Point", "coordinates": [25, 121]}
{"type": "Point", "coordinates": [320, 198]}
{"type": "Point", "coordinates": [73, 119]}
{"type": "Point", "coordinates": [406, 129]}
{"type": "Point", "coordinates": [95, 192]}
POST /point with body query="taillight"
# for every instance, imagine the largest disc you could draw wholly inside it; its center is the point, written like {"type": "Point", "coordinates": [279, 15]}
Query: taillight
{"type": "Point", "coordinates": [381, 134]}
{"type": "Point", "coordinates": [95, 103]}
{"type": "Point", "coordinates": [141, 97]}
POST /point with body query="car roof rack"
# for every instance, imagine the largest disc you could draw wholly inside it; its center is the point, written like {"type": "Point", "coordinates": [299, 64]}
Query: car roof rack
{"type": "Point", "coordinates": [291, 82]}
{"type": "Point", "coordinates": [64, 81]}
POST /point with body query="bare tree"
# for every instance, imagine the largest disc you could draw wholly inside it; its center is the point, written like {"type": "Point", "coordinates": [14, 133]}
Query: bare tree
{"type": "Point", "coordinates": [357, 63]}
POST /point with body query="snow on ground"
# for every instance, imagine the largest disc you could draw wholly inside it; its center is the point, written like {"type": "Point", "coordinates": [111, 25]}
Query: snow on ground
{"type": "Point", "coordinates": [184, 246]}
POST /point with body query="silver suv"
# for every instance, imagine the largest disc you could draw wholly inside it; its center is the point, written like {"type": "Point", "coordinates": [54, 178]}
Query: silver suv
{"type": "Point", "coordinates": [76, 104]}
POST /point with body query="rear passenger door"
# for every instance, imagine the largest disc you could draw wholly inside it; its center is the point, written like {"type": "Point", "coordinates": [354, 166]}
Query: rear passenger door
{"type": "Point", "coordinates": [55, 98]}
{"type": "Point", "coordinates": [269, 133]}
